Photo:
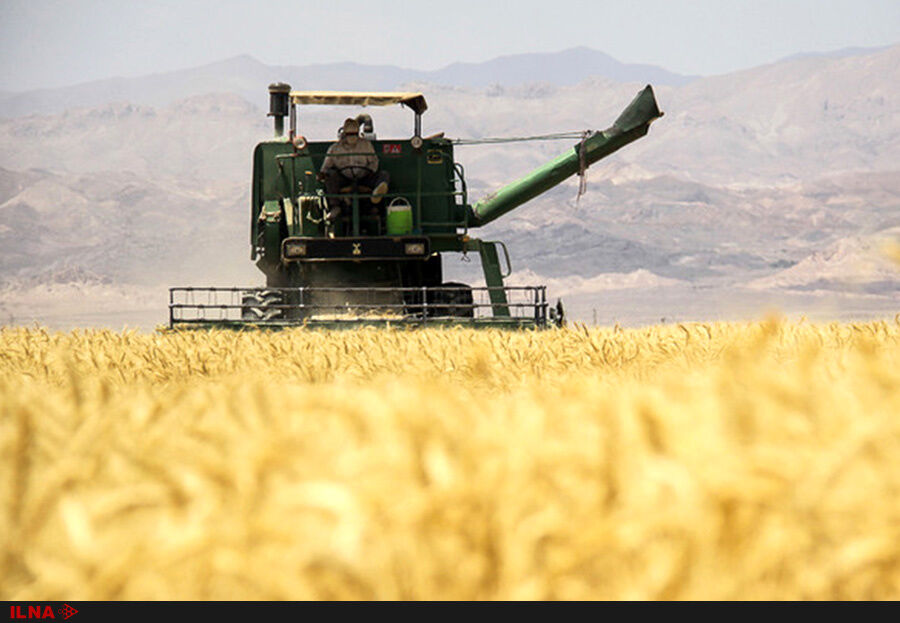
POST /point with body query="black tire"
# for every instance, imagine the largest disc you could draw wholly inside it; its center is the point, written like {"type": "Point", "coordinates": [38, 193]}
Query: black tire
{"type": "Point", "coordinates": [455, 301]}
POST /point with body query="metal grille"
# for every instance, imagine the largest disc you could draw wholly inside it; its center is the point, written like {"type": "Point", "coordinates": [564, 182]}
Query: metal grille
{"type": "Point", "coordinates": [524, 306]}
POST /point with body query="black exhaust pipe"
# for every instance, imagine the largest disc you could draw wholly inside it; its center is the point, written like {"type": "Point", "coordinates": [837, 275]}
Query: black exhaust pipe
{"type": "Point", "coordinates": [278, 105]}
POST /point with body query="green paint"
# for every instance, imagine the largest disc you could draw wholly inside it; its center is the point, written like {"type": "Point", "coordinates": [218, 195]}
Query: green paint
{"type": "Point", "coordinates": [632, 124]}
{"type": "Point", "coordinates": [286, 193]}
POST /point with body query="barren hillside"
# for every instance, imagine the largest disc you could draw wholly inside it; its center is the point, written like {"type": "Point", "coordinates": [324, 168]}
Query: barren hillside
{"type": "Point", "coordinates": [767, 179]}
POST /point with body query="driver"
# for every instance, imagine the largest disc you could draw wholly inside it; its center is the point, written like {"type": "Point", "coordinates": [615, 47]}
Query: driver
{"type": "Point", "coordinates": [352, 160]}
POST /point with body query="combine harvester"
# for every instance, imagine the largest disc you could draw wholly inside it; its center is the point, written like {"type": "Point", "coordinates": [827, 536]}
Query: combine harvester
{"type": "Point", "coordinates": [346, 260]}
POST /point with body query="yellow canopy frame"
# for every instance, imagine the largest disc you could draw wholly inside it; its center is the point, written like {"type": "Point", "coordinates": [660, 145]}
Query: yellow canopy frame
{"type": "Point", "coordinates": [415, 101]}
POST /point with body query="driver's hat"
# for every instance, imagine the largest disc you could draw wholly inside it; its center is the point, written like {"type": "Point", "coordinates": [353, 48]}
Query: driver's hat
{"type": "Point", "coordinates": [351, 126]}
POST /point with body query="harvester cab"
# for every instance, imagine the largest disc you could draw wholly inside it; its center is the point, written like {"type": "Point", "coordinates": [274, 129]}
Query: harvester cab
{"type": "Point", "coordinates": [338, 251]}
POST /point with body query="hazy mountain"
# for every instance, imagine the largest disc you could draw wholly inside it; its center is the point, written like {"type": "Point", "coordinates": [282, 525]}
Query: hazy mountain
{"type": "Point", "coordinates": [561, 68]}
{"type": "Point", "coordinates": [781, 122]}
{"type": "Point", "coordinates": [854, 264]}
{"type": "Point", "coordinates": [210, 136]}
{"type": "Point", "coordinates": [248, 78]}
{"type": "Point", "coordinates": [778, 181]}
{"type": "Point", "coordinates": [120, 228]}
{"type": "Point", "coordinates": [777, 124]}
{"type": "Point", "coordinates": [242, 75]}
{"type": "Point", "coordinates": [841, 53]}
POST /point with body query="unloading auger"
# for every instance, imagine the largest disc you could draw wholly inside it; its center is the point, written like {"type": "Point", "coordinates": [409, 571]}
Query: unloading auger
{"type": "Point", "coordinates": [378, 259]}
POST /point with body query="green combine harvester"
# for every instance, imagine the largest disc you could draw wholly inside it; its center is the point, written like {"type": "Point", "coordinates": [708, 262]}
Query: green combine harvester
{"type": "Point", "coordinates": [373, 255]}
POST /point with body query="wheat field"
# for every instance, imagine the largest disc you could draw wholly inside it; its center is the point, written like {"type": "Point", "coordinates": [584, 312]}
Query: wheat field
{"type": "Point", "coordinates": [699, 461]}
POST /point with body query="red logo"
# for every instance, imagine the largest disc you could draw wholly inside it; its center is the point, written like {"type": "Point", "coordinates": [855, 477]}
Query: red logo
{"type": "Point", "coordinates": [392, 148]}
{"type": "Point", "coordinates": [40, 612]}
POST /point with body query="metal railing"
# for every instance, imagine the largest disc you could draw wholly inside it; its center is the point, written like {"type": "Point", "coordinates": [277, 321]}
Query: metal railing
{"type": "Point", "coordinates": [459, 193]}
{"type": "Point", "coordinates": [420, 222]}
{"type": "Point", "coordinates": [201, 307]}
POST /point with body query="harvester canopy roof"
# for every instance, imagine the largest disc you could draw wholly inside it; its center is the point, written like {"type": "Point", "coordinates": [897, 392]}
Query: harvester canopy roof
{"type": "Point", "coordinates": [416, 101]}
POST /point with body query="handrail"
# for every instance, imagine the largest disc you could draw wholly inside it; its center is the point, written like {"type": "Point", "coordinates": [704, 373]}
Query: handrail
{"type": "Point", "coordinates": [285, 306]}
{"type": "Point", "coordinates": [459, 174]}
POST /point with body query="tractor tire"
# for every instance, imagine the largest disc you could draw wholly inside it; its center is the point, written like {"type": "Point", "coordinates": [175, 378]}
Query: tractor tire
{"type": "Point", "coordinates": [457, 303]}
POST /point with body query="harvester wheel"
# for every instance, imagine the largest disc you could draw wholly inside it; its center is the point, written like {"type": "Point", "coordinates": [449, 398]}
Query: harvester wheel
{"type": "Point", "coordinates": [456, 302]}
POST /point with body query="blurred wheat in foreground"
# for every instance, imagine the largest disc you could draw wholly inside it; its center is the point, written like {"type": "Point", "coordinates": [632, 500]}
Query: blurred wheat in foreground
{"type": "Point", "coordinates": [691, 461]}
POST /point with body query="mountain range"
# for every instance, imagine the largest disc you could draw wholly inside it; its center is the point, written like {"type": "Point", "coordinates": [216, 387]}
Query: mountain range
{"type": "Point", "coordinates": [776, 185]}
{"type": "Point", "coordinates": [244, 75]}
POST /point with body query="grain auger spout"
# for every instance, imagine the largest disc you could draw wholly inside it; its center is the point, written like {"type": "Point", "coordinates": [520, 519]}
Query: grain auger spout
{"type": "Point", "coordinates": [631, 125]}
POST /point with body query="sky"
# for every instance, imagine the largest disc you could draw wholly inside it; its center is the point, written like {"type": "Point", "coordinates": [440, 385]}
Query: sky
{"type": "Point", "coordinates": [53, 43]}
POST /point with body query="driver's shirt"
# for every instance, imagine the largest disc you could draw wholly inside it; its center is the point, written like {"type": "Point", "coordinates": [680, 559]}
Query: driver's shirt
{"type": "Point", "coordinates": [361, 156]}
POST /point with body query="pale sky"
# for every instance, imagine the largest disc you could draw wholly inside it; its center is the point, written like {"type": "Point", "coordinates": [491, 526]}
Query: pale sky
{"type": "Point", "coordinates": [51, 43]}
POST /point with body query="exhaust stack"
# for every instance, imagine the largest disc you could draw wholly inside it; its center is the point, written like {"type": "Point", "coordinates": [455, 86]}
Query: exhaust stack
{"type": "Point", "coordinates": [278, 105]}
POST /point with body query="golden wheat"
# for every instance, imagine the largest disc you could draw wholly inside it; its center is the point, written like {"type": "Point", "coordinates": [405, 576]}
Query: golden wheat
{"type": "Point", "coordinates": [726, 461]}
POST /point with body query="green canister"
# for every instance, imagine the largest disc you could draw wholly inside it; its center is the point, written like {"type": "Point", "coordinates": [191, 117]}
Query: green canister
{"type": "Point", "coordinates": [399, 217]}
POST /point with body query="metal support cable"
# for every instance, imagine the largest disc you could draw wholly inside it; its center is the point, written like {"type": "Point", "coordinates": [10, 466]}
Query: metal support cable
{"type": "Point", "coordinates": [583, 135]}
{"type": "Point", "coordinates": [518, 139]}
